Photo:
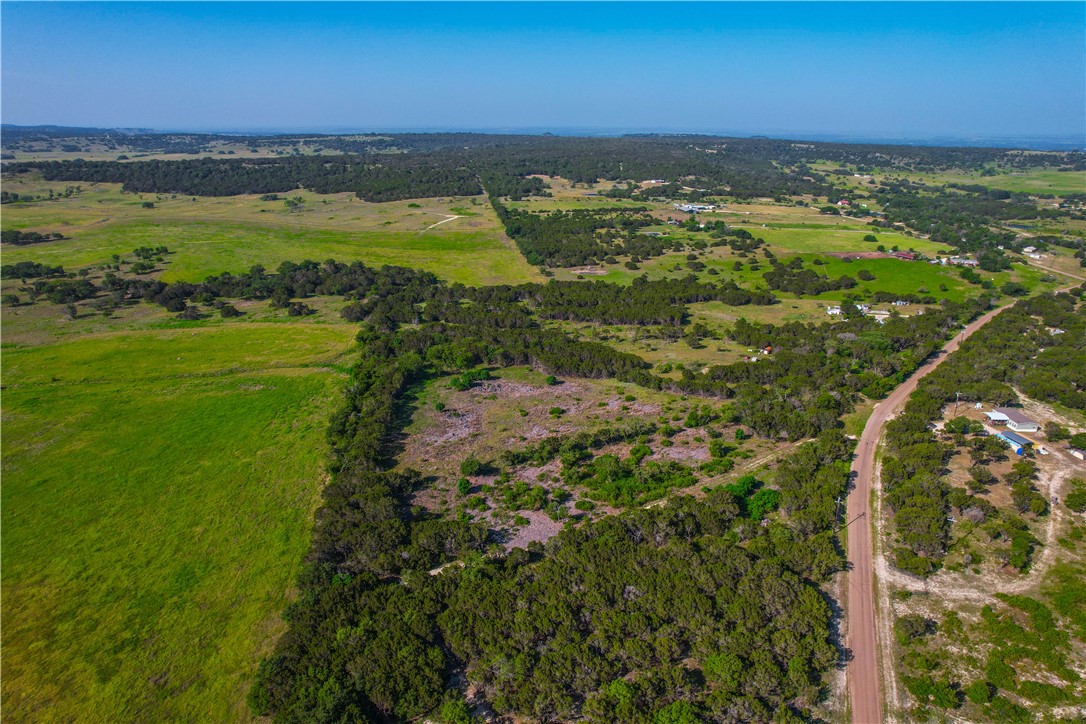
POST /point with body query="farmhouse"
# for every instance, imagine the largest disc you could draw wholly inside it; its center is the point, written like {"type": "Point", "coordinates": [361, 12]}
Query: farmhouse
{"type": "Point", "coordinates": [834, 310]}
{"type": "Point", "coordinates": [1013, 419]}
{"type": "Point", "coordinates": [694, 208]}
{"type": "Point", "coordinates": [1029, 249]}
{"type": "Point", "coordinates": [907, 255]}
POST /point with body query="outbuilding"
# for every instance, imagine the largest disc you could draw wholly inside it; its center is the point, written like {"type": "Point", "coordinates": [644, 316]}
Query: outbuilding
{"type": "Point", "coordinates": [1015, 442]}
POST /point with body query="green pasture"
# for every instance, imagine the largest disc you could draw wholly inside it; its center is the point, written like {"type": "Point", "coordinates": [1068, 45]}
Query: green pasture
{"type": "Point", "coordinates": [213, 235]}
{"type": "Point", "coordinates": [813, 240]}
{"type": "Point", "coordinates": [46, 323]}
{"type": "Point", "coordinates": [578, 201]}
{"type": "Point", "coordinates": [1033, 181]}
{"type": "Point", "coordinates": [158, 490]}
{"type": "Point", "coordinates": [1037, 180]}
{"type": "Point", "coordinates": [205, 248]}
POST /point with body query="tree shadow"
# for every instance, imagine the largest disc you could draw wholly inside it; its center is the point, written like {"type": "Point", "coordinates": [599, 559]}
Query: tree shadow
{"type": "Point", "coordinates": [837, 635]}
{"type": "Point", "coordinates": [403, 411]}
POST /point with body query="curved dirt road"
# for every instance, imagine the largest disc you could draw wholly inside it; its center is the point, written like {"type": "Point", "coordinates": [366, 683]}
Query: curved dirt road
{"type": "Point", "coordinates": [863, 670]}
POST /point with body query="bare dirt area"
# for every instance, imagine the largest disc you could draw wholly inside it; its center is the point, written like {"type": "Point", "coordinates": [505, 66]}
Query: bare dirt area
{"type": "Point", "coordinates": [860, 254]}
{"type": "Point", "coordinates": [539, 529]}
{"type": "Point", "coordinates": [516, 409]}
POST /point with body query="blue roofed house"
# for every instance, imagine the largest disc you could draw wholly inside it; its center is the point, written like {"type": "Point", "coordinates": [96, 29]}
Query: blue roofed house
{"type": "Point", "coordinates": [1015, 442]}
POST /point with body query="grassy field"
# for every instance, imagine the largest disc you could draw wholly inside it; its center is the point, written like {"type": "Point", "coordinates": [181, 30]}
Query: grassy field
{"type": "Point", "coordinates": [658, 351]}
{"type": "Point", "coordinates": [808, 241]}
{"type": "Point", "coordinates": [1037, 180]}
{"type": "Point", "coordinates": [158, 489]}
{"type": "Point", "coordinates": [1034, 181]}
{"type": "Point", "coordinates": [457, 238]}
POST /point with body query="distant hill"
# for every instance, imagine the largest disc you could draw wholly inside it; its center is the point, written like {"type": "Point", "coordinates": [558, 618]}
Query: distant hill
{"type": "Point", "coordinates": [12, 130]}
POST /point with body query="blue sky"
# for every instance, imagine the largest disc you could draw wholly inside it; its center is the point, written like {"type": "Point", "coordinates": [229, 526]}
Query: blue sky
{"type": "Point", "coordinates": [911, 70]}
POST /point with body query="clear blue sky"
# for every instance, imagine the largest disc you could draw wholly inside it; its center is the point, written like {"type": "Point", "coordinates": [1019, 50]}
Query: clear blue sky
{"type": "Point", "coordinates": [887, 69]}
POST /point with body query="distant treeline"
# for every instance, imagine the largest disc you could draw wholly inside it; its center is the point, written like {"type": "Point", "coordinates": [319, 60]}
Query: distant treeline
{"type": "Point", "coordinates": [388, 178]}
{"type": "Point", "coordinates": [865, 156]}
{"type": "Point", "coordinates": [394, 167]}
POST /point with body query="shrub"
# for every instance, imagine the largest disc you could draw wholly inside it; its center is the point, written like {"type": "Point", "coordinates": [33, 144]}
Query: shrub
{"type": "Point", "coordinates": [1041, 692]}
{"type": "Point", "coordinates": [1076, 499]}
{"type": "Point", "coordinates": [979, 692]}
{"type": "Point", "coordinates": [1004, 710]}
{"type": "Point", "coordinates": [763, 502]}
{"type": "Point", "coordinates": [470, 466]}
{"type": "Point", "coordinates": [1055, 432]}
{"type": "Point", "coordinates": [1000, 673]}
{"type": "Point", "coordinates": [912, 626]}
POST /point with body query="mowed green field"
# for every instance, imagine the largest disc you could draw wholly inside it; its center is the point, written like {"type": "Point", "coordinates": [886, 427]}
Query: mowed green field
{"type": "Point", "coordinates": [807, 240]}
{"type": "Point", "coordinates": [457, 238]}
{"type": "Point", "coordinates": [157, 497]}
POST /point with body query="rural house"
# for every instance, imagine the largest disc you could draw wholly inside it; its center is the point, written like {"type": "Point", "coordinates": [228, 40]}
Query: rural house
{"type": "Point", "coordinates": [1013, 419]}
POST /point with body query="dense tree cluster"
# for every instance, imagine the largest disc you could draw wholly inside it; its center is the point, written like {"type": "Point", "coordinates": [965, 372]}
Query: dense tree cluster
{"type": "Point", "coordinates": [815, 371]}
{"type": "Point", "coordinates": [29, 270]}
{"type": "Point", "coordinates": [792, 277]}
{"type": "Point", "coordinates": [960, 219]}
{"type": "Point", "coordinates": [570, 238]}
{"type": "Point", "coordinates": [22, 238]}
{"type": "Point", "coordinates": [384, 178]}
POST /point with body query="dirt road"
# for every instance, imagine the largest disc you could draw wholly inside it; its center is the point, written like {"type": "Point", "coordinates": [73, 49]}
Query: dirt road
{"type": "Point", "coordinates": [863, 669]}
